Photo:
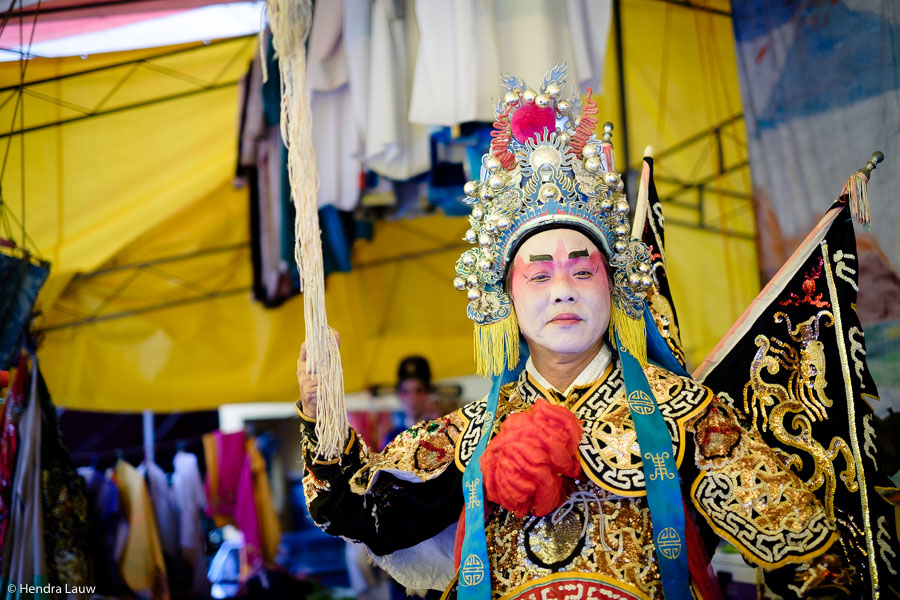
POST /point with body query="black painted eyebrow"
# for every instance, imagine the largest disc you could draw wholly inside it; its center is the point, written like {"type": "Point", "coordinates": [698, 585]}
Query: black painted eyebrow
{"type": "Point", "coordinates": [547, 257]}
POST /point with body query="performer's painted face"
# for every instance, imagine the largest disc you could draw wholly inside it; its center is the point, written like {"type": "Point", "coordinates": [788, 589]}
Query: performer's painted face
{"type": "Point", "coordinates": [560, 290]}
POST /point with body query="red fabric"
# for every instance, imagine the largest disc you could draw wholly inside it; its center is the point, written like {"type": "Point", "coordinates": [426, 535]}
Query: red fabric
{"type": "Point", "coordinates": [525, 466]}
{"type": "Point", "coordinates": [699, 565]}
{"type": "Point", "coordinates": [460, 536]}
{"type": "Point", "coordinates": [529, 121]}
{"type": "Point", "coordinates": [9, 439]}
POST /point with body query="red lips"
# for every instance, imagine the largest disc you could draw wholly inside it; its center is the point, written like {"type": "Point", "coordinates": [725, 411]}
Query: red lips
{"type": "Point", "coordinates": [566, 319]}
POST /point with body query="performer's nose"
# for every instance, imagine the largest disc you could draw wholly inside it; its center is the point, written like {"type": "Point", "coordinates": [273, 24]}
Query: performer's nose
{"type": "Point", "coordinates": [562, 293]}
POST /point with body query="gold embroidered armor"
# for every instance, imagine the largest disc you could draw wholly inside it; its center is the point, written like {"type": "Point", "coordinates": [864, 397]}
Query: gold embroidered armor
{"type": "Point", "coordinates": [739, 488]}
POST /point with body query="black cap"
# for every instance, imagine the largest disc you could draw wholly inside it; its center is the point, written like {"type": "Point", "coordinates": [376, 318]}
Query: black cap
{"type": "Point", "coordinates": [414, 367]}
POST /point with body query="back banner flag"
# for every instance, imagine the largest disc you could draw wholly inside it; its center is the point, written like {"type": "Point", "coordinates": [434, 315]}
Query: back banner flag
{"type": "Point", "coordinates": [794, 368]}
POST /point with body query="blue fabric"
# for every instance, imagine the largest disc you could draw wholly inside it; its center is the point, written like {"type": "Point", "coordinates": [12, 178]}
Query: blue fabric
{"type": "Point", "coordinates": [474, 568]}
{"type": "Point", "coordinates": [454, 160]}
{"type": "Point", "coordinates": [660, 477]}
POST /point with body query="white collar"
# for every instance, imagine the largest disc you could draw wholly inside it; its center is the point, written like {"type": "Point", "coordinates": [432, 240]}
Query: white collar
{"type": "Point", "coordinates": [590, 374]}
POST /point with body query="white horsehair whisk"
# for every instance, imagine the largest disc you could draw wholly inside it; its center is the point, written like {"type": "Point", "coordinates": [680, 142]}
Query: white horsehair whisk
{"type": "Point", "coordinates": [290, 22]}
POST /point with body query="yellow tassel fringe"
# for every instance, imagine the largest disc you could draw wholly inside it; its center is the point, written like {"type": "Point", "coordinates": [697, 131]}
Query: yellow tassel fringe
{"type": "Point", "coordinates": [857, 188]}
{"type": "Point", "coordinates": [632, 333]}
{"type": "Point", "coordinates": [497, 346]}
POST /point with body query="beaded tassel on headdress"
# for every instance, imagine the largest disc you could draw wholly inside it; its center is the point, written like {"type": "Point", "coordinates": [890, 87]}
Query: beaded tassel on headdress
{"type": "Point", "coordinates": [857, 188]}
{"type": "Point", "coordinates": [497, 346]}
{"type": "Point", "coordinates": [290, 22]}
{"type": "Point", "coordinates": [632, 333]}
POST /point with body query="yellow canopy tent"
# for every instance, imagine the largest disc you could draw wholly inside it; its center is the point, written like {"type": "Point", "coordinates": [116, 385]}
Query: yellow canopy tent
{"type": "Point", "coordinates": [128, 191]}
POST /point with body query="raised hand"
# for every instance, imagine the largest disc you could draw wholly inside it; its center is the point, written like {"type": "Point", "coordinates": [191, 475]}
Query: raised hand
{"type": "Point", "coordinates": [309, 383]}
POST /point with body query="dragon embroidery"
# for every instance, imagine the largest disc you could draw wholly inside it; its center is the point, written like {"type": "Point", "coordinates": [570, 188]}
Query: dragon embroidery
{"type": "Point", "coordinates": [789, 411]}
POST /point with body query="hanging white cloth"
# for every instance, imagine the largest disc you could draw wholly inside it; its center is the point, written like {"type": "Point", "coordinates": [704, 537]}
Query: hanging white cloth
{"type": "Point", "coordinates": [395, 148]}
{"type": "Point", "coordinates": [190, 501]}
{"type": "Point", "coordinates": [466, 44]}
{"type": "Point", "coordinates": [357, 37]}
{"type": "Point", "coordinates": [334, 133]}
{"type": "Point", "coordinates": [164, 508]}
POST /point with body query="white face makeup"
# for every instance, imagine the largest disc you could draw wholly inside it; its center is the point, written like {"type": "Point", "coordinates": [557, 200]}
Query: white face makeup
{"type": "Point", "coordinates": [560, 290]}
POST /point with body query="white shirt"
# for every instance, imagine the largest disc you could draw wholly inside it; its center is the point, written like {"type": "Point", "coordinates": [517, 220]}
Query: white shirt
{"type": "Point", "coordinates": [588, 375]}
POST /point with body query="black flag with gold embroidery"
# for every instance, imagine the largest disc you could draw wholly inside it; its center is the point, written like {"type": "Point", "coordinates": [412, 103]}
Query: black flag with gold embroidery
{"type": "Point", "coordinates": [794, 368]}
{"type": "Point", "coordinates": [649, 227]}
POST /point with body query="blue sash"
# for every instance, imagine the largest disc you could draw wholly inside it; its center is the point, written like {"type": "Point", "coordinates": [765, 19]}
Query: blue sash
{"type": "Point", "coordinates": [660, 478]}
{"type": "Point", "coordinates": [474, 568]}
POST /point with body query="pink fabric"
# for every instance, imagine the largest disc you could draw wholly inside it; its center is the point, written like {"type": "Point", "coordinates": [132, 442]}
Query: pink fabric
{"type": "Point", "coordinates": [232, 455]}
{"type": "Point", "coordinates": [57, 29]}
{"type": "Point", "coordinates": [234, 497]}
{"type": "Point", "coordinates": [245, 517]}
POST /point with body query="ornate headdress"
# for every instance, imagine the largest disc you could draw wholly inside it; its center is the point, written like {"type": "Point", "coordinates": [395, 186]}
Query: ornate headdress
{"type": "Point", "coordinates": [545, 168]}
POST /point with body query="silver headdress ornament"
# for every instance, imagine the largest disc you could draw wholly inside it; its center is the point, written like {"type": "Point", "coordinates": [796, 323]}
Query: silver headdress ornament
{"type": "Point", "coordinates": [546, 167]}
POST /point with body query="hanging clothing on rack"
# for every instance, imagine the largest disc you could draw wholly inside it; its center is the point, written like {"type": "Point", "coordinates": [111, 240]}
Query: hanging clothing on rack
{"type": "Point", "coordinates": [267, 444]}
{"type": "Point", "coordinates": [261, 164]}
{"type": "Point", "coordinates": [163, 507]}
{"type": "Point", "coordinates": [107, 525]}
{"type": "Point", "coordinates": [141, 562]}
{"type": "Point", "coordinates": [10, 414]}
{"type": "Point", "coordinates": [395, 148]}
{"type": "Point", "coordinates": [239, 493]}
{"type": "Point", "coordinates": [190, 500]}
{"type": "Point", "coordinates": [334, 134]}
{"type": "Point", "coordinates": [66, 528]}
{"type": "Point", "coordinates": [269, 527]}
{"type": "Point", "coordinates": [464, 44]}
{"type": "Point", "coordinates": [23, 547]}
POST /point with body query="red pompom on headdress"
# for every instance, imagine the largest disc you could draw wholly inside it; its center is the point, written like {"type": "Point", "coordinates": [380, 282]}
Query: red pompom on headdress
{"type": "Point", "coordinates": [525, 464]}
{"type": "Point", "coordinates": [529, 121]}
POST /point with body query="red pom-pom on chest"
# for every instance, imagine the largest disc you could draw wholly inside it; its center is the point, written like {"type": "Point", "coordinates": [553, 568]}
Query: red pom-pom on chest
{"type": "Point", "coordinates": [526, 464]}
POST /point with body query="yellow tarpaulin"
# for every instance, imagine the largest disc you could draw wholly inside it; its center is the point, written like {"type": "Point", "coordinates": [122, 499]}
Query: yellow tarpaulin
{"type": "Point", "coordinates": [143, 198]}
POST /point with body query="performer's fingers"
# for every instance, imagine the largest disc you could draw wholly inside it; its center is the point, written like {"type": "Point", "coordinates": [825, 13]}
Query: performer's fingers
{"type": "Point", "coordinates": [301, 370]}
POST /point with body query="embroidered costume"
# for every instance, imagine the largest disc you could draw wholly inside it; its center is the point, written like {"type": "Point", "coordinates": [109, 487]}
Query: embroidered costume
{"type": "Point", "coordinates": [664, 467]}
{"type": "Point", "coordinates": [411, 493]}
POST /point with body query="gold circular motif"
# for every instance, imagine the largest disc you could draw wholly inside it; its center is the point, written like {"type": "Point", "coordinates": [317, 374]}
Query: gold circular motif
{"type": "Point", "coordinates": [549, 191]}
